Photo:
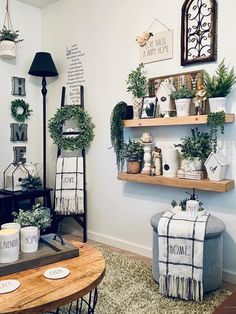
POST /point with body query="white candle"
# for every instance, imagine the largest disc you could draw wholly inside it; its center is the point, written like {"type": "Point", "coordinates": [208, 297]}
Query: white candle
{"type": "Point", "coordinates": [9, 245]}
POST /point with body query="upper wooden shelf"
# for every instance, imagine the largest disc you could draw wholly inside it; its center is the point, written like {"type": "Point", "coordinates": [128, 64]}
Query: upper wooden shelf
{"type": "Point", "coordinates": [207, 185]}
{"type": "Point", "coordinates": [201, 119]}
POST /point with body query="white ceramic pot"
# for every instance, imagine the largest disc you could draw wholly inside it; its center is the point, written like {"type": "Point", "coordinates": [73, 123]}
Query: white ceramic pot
{"type": "Point", "coordinates": [29, 239]}
{"type": "Point", "coordinates": [9, 245]}
{"type": "Point", "coordinates": [217, 104]}
{"type": "Point", "coordinates": [182, 107]}
{"type": "Point", "coordinates": [8, 49]}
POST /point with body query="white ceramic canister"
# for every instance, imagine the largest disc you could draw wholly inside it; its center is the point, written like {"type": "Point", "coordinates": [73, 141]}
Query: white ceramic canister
{"type": "Point", "coordinates": [29, 239]}
{"type": "Point", "coordinates": [9, 245]}
{"type": "Point", "coordinates": [170, 162]}
{"type": "Point", "coordinates": [192, 206]}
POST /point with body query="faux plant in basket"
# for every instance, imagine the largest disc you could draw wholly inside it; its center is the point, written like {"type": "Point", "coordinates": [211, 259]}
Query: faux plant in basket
{"type": "Point", "coordinates": [137, 85]}
{"type": "Point", "coordinates": [39, 216]}
{"type": "Point", "coordinates": [218, 86]}
{"type": "Point", "coordinates": [182, 98]}
{"type": "Point", "coordinates": [195, 149]}
{"type": "Point", "coordinates": [133, 152]}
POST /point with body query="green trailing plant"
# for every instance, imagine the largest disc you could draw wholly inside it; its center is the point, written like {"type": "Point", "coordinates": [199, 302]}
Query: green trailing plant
{"type": "Point", "coordinates": [117, 132]}
{"type": "Point", "coordinates": [182, 92]}
{"type": "Point", "coordinates": [216, 122]}
{"type": "Point", "coordinates": [196, 145]}
{"type": "Point", "coordinates": [8, 34]}
{"type": "Point", "coordinates": [133, 150]}
{"type": "Point", "coordinates": [31, 183]}
{"type": "Point", "coordinates": [83, 123]}
{"type": "Point", "coordinates": [38, 216]}
{"type": "Point", "coordinates": [221, 83]}
{"type": "Point", "coordinates": [137, 82]}
{"type": "Point", "coordinates": [16, 106]}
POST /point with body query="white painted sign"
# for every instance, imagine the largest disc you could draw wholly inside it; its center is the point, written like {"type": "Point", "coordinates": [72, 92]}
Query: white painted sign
{"type": "Point", "coordinates": [158, 47]}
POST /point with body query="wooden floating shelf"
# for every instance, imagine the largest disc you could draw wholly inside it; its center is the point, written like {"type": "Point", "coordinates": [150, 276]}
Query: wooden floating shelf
{"type": "Point", "coordinates": [201, 119]}
{"type": "Point", "coordinates": [206, 185]}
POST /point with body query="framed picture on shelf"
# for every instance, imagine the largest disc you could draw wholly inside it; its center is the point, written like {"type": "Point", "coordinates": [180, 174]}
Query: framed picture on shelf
{"type": "Point", "coordinates": [148, 107]}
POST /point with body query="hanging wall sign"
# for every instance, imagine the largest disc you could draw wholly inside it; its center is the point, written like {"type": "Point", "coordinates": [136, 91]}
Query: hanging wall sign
{"type": "Point", "coordinates": [158, 47]}
{"type": "Point", "coordinates": [18, 86]}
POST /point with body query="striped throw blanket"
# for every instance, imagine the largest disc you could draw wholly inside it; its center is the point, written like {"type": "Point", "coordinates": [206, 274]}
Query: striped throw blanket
{"type": "Point", "coordinates": [181, 243]}
{"type": "Point", "coordinates": [69, 193]}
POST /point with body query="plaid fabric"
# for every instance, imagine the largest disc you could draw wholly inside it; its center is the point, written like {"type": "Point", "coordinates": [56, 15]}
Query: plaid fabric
{"type": "Point", "coordinates": [69, 190]}
{"type": "Point", "coordinates": [181, 243]}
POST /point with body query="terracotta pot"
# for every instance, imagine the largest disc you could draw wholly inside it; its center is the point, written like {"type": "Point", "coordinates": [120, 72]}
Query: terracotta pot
{"type": "Point", "coordinates": [134, 167]}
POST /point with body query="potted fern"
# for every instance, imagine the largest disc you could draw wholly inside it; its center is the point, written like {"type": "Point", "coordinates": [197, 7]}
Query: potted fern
{"type": "Point", "coordinates": [182, 98]}
{"type": "Point", "coordinates": [8, 41]}
{"type": "Point", "coordinates": [133, 152]}
{"type": "Point", "coordinates": [137, 85]}
{"type": "Point", "coordinates": [219, 86]}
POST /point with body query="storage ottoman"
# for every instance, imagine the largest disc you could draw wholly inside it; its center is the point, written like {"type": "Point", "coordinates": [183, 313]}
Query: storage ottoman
{"type": "Point", "coordinates": [212, 256]}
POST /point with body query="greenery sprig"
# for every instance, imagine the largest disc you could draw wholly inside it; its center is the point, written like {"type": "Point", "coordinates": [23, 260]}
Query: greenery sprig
{"type": "Point", "coordinates": [221, 83]}
{"type": "Point", "coordinates": [8, 34]}
{"type": "Point", "coordinates": [18, 104]}
{"type": "Point", "coordinates": [182, 92]}
{"type": "Point", "coordinates": [196, 145]}
{"type": "Point", "coordinates": [215, 121]}
{"type": "Point", "coordinates": [38, 216]}
{"type": "Point", "coordinates": [31, 183]}
{"type": "Point", "coordinates": [84, 125]}
{"type": "Point", "coordinates": [137, 82]}
{"type": "Point", "coordinates": [117, 132]}
{"type": "Point", "coordinates": [133, 150]}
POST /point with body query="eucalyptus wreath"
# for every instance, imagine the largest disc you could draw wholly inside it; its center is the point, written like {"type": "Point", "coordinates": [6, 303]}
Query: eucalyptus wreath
{"type": "Point", "coordinates": [15, 106]}
{"type": "Point", "coordinates": [84, 124]}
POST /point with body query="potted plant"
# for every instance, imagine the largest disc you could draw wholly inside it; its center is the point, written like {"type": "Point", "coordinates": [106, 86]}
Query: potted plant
{"type": "Point", "coordinates": [38, 216]}
{"type": "Point", "coordinates": [219, 86]}
{"type": "Point", "coordinates": [133, 152]}
{"type": "Point", "coordinates": [137, 85]}
{"type": "Point", "coordinates": [195, 149]}
{"type": "Point", "coordinates": [182, 98]}
{"type": "Point", "coordinates": [117, 133]}
{"type": "Point", "coordinates": [8, 41]}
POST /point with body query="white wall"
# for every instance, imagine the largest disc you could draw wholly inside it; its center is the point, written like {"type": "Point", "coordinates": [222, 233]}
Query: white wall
{"type": "Point", "coordinates": [28, 20]}
{"type": "Point", "coordinates": [119, 213]}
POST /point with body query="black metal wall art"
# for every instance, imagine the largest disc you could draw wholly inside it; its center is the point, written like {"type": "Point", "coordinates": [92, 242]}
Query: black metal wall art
{"type": "Point", "coordinates": [198, 31]}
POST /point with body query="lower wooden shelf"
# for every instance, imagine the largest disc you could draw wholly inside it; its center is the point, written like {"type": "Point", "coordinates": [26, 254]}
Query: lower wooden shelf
{"type": "Point", "coordinates": [207, 185]}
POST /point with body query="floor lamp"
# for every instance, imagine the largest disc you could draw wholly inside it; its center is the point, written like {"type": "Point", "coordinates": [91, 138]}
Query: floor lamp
{"type": "Point", "coordinates": [43, 66]}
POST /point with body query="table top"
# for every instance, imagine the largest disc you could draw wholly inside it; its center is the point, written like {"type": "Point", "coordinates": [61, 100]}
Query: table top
{"type": "Point", "coordinates": [38, 294]}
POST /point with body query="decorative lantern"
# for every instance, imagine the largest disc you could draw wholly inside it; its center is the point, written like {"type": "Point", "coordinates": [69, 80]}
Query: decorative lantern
{"type": "Point", "coordinates": [13, 176]}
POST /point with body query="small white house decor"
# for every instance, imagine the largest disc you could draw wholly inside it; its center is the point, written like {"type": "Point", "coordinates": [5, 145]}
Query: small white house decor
{"type": "Point", "coordinates": [216, 165]}
{"type": "Point", "coordinates": [13, 176]}
{"type": "Point", "coordinates": [165, 102]}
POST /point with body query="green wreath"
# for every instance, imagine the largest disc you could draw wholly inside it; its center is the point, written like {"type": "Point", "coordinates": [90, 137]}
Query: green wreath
{"type": "Point", "coordinates": [15, 105]}
{"type": "Point", "coordinates": [84, 124]}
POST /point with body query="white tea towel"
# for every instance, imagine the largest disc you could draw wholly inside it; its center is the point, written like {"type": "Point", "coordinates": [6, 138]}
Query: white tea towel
{"type": "Point", "coordinates": [181, 243]}
{"type": "Point", "coordinates": [69, 186]}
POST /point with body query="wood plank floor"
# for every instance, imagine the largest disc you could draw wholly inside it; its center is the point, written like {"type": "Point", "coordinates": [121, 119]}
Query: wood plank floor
{"type": "Point", "coordinates": [144, 259]}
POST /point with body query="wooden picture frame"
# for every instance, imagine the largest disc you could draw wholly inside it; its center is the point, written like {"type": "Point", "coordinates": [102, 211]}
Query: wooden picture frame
{"type": "Point", "coordinates": [148, 107]}
{"type": "Point", "coordinates": [198, 31]}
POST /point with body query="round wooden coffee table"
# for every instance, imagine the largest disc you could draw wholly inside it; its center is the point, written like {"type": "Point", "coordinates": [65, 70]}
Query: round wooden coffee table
{"type": "Point", "coordinates": [38, 294]}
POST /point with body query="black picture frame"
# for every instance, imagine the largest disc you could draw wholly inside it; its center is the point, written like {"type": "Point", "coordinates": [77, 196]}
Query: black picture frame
{"type": "Point", "coordinates": [148, 110]}
{"type": "Point", "coordinates": [198, 39]}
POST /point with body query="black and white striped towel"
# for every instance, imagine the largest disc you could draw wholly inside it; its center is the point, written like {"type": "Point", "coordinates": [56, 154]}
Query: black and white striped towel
{"type": "Point", "coordinates": [69, 193]}
{"type": "Point", "coordinates": [181, 243]}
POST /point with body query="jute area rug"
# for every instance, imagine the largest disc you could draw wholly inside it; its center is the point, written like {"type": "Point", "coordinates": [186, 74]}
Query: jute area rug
{"type": "Point", "coordinates": [128, 288]}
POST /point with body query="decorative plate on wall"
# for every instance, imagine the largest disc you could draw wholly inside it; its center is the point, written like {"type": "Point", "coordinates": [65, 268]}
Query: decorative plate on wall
{"type": "Point", "coordinates": [198, 31]}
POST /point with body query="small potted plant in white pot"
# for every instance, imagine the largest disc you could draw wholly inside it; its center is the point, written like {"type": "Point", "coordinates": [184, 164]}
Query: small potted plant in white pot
{"type": "Point", "coordinates": [182, 98]}
{"type": "Point", "coordinates": [219, 86]}
{"type": "Point", "coordinates": [137, 85]}
{"type": "Point", "coordinates": [8, 41]}
{"type": "Point", "coordinates": [133, 153]}
{"type": "Point", "coordinates": [195, 149]}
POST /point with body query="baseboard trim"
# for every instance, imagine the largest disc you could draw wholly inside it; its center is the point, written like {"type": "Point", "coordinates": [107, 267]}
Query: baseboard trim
{"type": "Point", "coordinates": [122, 244]}
{"type": "Point", "coordinates": [229, 276]}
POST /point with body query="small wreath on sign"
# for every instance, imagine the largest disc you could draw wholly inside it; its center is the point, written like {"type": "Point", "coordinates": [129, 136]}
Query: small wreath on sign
{"type": "Point", "coordinates": [83, 123]}
{"type": "Point", "coordinates": [20, 104]}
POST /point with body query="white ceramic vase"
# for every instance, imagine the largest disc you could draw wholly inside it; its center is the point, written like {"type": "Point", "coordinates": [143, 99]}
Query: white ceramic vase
{"type": "Point", "coordinates": [217, 104]}
{"type": "Point", "coordinates": [182, 107]}
{"type": "Point", "coordinates": [8, 49]}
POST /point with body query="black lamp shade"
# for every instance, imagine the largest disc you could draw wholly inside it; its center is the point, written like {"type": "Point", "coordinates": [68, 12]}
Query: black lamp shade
{"type": "Point", "coordinates": [43, 65]}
